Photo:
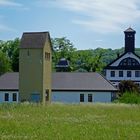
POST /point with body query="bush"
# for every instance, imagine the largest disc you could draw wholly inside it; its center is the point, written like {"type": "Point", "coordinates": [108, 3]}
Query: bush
{"type": "Point", "coordinates": [128, 86]}
{"type": "Point", "coordinates": [129, 98]}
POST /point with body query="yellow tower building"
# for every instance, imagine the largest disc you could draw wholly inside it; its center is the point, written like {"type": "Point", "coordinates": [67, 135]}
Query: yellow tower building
{"type": "Point", "coordinates": [35, 67]}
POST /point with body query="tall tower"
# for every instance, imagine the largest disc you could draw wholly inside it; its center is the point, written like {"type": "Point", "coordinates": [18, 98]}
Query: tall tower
{"type": "Point", "coordinates": [129, 40]}
{"type": "Point", "coordinates": [35, 67]}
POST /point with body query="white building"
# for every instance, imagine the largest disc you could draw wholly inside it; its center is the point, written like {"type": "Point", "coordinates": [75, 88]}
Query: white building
{"type": "Point", "coordinates": [9, 87]}
{"type": "Point", "coordinates": [126, 66]}
{"type": "Point", "coordinates": [66, 88]}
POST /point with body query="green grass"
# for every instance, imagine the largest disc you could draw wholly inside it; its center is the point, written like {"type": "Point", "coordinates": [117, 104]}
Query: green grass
{"type": "Point", "coordinates": [70, 122]}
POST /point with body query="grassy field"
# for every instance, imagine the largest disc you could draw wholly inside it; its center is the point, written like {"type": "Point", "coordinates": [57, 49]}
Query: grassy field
{"type": "Point", "coordinates": [70, 122]}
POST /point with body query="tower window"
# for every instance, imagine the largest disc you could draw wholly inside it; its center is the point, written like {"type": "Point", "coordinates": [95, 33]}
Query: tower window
{"type": "Point", "coordinates": [47, 56]}
{"type": "Point", "coordinates": [28, 53]}
{"type": "Point", "coordinates": [112, 74]}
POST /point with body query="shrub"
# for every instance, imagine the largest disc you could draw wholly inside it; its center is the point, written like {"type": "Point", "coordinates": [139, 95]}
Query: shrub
{"type": "Point", "coordinates": [130, 98]}
{"type": "Point", "coordinates": [128, 86]}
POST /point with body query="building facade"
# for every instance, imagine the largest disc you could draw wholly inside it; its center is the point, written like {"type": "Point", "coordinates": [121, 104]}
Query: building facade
{"type": "Point", "coordinates": [35, 67]}
{"type": "Point", "coordinates": [67, 87]}
{"type": "Point", "coordinates": [126, 66]}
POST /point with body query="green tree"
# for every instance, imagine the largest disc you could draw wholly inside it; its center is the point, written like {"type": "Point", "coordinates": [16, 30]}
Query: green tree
{"type": "Point", "coordinates": [4, 63]}
{"type": "Point", "coordinates": [11, 49]}
{"type": "Point", "coordinates": [62, 48]}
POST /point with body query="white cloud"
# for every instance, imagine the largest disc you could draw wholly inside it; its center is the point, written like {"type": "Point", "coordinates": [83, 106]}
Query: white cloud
{"type": "Point", "coordinates": [103, 15]}
{"type": "Point", "coordinates": [9, 3]}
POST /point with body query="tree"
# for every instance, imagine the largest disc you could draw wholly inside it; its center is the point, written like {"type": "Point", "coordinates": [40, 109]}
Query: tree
{"type": "Point", "coordinates": [4, 63]}
{"type": "Point", "coordinates": [11, 50]}
{"type": "Point", "coordinates": [62, 48]}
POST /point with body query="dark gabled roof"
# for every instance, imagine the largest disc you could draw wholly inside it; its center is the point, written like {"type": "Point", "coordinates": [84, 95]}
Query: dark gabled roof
{"type": "Point", "coordinates": [80, 81]}
{"type": "Point", "coordinates": [34, 39]}
{"type": "Point", "coordinates": [64, 81]}
{"type": "Point", "coordinates": [108, 66]}
{"type": "Point", "coordinates": [9, 81]}
{"type": "Point", "coordinates": [115, 60]}
{"type": "Point", "coordinates": [129, 30]}
{"type": "Point", "coordinates": [63, 63]}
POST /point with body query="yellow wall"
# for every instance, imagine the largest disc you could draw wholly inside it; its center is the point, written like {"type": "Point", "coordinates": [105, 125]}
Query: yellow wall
{"type": "Point", "coordinates": [47, 71]}
{"type": "Point", "coordinates": [34, 72]}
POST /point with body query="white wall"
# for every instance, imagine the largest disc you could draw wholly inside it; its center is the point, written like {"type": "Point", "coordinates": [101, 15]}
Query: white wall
{"type": "Point", "coordinates": [116, 80]}
{"type": "Point", "coordinates": [74, 97]}
{"type": "Point", "coordinates": [2, 93]}
{"type": "Point", "coordinates": [124, 75]}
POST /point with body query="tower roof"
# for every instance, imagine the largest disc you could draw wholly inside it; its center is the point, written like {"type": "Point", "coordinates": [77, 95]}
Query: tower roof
{"type": "Point", "coordinates": [34, 39]}
{"type": "Point", "coordinates": [129, 30]}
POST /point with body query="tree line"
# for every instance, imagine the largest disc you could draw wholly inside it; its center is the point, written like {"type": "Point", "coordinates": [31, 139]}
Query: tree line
{"type": "Point", "coordinates": [89, 60]}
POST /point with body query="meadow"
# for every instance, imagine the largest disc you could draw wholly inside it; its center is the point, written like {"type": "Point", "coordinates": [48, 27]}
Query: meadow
{"type": "Point", "coordinates": [69, 122]}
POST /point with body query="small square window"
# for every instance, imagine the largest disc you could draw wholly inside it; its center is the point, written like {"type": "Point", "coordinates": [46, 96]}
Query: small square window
{"type": "Point", "coordinates": [120, 73]}
{"type": "Point", "coordinates": [112, 74]}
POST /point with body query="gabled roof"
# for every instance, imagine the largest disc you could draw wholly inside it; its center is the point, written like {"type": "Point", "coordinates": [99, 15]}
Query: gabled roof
{"type": "Point", "coordinates": [9, 81]}
{"type": "Point", "coordinates": [34, 39]}
{"type": "Point", "coordinates": [63, 63]}
{"type": "Point", "coordinates": [129, 30]}
{"type": "Point", "coordinates": [108, 66]}
{"type": "Point", "coordinates": [115, 60]}
{"type": "Point", "coordinates": [64, 81]}
{"type": "Point", "coordinates": [80, 81]}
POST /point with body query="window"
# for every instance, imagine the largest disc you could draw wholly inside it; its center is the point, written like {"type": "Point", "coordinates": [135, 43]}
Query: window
{"type": "Point", "coordinates": [137, 73]}
{"type": "Point", "coordinates": [14, 97]}
{"type": "Point", "coordinates": [81, 97]}
{"type": "Point", "coordinates": [47, 94]}
{"type": "Point", "coordinates": [28, 53]}
{"type": "Point", "coordinates": [47, 56]}
{"type": "Point", "coordinates": [129, 62]}
{"type": "Point", "coordinates": [113, 96]}
{"type": "Point", "coordinates": [128, 73]}
{"type": "Point", "coordinates": [89, 97]}
{"type": "Point", "coordinates": [112, 74]}
{"type": "Point", "coordinates": [120, 73]}
{"type": "Point", "coordinates": [6, 97]}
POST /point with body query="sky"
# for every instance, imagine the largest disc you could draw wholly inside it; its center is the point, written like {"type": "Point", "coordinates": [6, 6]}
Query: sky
{"type": "Point", "coordinates": [88, 24]}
